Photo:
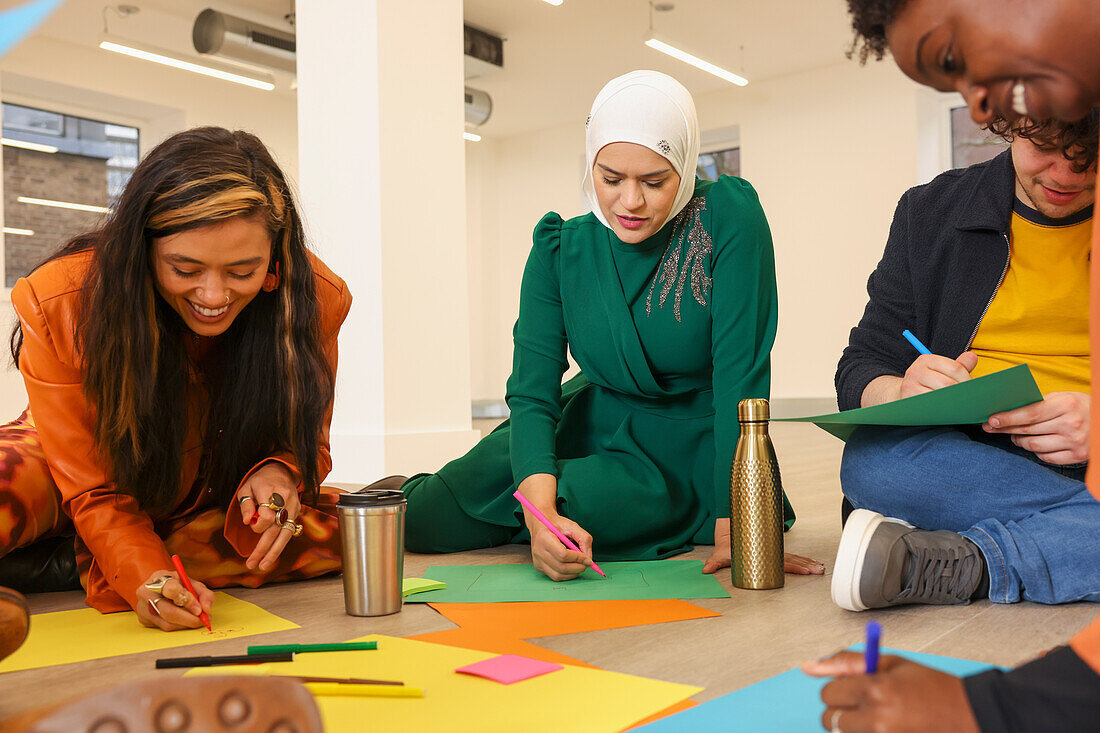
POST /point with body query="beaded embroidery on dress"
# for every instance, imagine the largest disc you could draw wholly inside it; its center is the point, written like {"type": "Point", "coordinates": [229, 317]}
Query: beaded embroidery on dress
{"type": "Point", "coordinates": [671, 273]}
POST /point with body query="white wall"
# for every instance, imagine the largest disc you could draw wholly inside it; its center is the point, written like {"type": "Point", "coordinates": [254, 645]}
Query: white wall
{"type": "Point", "coordinates": [511, 184]}
{"type": "Point", "coordinates": [830, 151]}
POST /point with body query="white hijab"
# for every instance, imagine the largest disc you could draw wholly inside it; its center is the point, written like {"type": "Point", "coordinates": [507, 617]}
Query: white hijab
{"type": "Point", "coordinates": [651, 109]}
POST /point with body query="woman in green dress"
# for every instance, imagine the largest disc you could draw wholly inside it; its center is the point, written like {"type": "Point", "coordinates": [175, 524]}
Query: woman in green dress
{"type": "Point", "coordinates": [665, 296]}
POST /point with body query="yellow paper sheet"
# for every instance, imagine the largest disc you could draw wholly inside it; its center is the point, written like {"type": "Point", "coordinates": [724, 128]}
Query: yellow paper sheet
{"type": "Point", "coordinates": [575, 699]}
{"type": "Point", "coordinates": [64, 637]}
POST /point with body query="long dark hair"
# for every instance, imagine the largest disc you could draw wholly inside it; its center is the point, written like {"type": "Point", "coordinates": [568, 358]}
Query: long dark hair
{"type": "Point", "coordinates": [268, 381]}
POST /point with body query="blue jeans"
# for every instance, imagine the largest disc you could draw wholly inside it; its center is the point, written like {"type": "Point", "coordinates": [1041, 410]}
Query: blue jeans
{"type": "Point", "coordinates": [1036, 523]}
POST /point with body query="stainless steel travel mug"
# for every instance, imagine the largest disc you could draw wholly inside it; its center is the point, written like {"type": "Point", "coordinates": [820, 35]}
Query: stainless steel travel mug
{"type": "Point", "coordinates": [372, 532]}
{"type": "Point", "coordinates": [756, 502]}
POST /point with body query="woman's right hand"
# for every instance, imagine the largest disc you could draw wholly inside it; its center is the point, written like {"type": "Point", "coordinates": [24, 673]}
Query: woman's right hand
{"type": "Point", "coordinates": [551, 557]}
{"type": "Point", "coordinates": [173, 607]}
{"type": "Point", "coordinates": [931, 371]}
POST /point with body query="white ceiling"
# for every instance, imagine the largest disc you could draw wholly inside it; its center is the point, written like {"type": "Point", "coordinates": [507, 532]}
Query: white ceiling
{"type": "Point", "coordinates": [555, 58]}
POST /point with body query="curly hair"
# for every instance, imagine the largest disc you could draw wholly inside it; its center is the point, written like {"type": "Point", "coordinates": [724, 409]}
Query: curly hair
{"type": "Point", "coordinates": [1076, 140]}
{"type": "Point", "coordinates": [869, 21]}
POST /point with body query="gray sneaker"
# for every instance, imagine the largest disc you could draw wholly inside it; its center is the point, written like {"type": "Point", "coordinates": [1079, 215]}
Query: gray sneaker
{"type": "Point", "coordinates": [883, 562]}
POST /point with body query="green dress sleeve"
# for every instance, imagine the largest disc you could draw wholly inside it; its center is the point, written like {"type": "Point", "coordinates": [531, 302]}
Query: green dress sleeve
{"type": "Point", "coordinates": [538, 358]}
{"type": "Point", "coordinates": [744, 313]}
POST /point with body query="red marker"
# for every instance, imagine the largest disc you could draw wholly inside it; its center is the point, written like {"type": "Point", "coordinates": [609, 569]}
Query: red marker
{"type": "Point", "coordinates": [190, 589]}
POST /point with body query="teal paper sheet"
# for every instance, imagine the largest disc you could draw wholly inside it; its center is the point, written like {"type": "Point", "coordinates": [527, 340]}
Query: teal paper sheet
{"type": "Point", "coordinates": [787, 703]}
{"type": "Point", "coordinates": [626, 580]}
{"type": "Point", "coordinates": [966, 403]}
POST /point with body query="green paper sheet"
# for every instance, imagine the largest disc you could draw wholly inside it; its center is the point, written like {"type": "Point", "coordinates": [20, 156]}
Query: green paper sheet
{"type": "Point", "coordinates": [626, 580]}
{"type": "Point", "coordinates": [966, 403]}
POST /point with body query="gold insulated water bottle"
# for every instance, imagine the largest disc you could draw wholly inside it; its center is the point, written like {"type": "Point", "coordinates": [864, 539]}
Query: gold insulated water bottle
{"type": "Point", "coordinates": [756, 503]}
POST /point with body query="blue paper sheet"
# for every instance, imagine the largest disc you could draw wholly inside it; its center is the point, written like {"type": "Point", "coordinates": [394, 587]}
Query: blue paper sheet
{"type": "Point", "coordinates": [17, 23]}
{"type": "Point", "coordinates": [787, 702]}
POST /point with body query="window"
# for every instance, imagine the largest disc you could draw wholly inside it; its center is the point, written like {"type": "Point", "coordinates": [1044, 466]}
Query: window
{"type": "Point", "coordinates": [61, 175]}
{"type": "Point", "coordinates": [719, 163]}
{"type": "Point", "coordinates": [970, 143]}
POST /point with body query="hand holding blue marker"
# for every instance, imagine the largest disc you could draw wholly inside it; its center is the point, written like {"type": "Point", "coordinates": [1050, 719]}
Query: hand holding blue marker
{"type": "Point", "coordinates": [915, 341]}
{"type": "Point", "coordinates": [870, 651]}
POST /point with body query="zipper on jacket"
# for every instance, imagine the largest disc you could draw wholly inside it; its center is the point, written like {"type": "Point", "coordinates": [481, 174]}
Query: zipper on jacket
{"type": "Point", "coordinates": [1008, 258]}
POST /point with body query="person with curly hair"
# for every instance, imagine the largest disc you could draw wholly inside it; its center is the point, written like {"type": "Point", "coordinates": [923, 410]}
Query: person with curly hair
{"type": "Point", "coordinates": [990, 263]}
{"type": "Point", "coordinates": [1012, 59]}
{"type": "Point", "coordinates": [180, 366]}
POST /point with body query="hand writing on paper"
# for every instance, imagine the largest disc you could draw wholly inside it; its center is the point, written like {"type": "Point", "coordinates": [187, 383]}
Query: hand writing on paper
{"type": "Point", "coordinates": [271, 478]}
{"type": "Point", "coordinates": [926, 373]}
{"type": "Point", "coordinates": [1056, 429]}
{"type": "Point", "coordinates": [553, 559]}
{"type": "Point", "coordinates": [720, 558]}
{"type": "Point", "coordinates": [172, 608]}
{"type": "Point", "coordinates": [930, 371]}
{"type": "Point", "coordinates": [549, 556]}
{"type": "Point", "coordinates": [901, 696]}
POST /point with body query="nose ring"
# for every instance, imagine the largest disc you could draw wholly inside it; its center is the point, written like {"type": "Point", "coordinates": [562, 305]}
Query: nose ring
{"type": "Point", "coordinates": [227, 299]}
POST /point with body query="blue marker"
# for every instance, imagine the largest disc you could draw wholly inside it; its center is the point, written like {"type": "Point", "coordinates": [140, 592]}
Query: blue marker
{"type": "Point", "coordinates": [870, 651]}
{"type": "Point", "coordinates": [915, 341]}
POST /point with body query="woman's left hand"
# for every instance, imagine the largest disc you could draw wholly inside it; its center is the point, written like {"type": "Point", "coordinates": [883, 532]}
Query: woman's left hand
{"type": "Point", "coordinates": [720, 558]}
{"type": "Point", "coordinates": [270, 479]}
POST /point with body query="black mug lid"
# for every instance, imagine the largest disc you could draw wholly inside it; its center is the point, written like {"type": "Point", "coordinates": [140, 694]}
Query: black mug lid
{"type": "Point", "coordinates": [373, 497]}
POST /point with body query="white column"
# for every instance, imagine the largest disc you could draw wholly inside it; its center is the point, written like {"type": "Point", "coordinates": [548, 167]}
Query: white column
{"type": "Point", "coordinates": [382, 177]}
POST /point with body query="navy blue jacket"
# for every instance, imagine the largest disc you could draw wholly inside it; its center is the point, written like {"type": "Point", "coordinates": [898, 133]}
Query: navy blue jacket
{"type": "Point", "coordinates": [946, 256]}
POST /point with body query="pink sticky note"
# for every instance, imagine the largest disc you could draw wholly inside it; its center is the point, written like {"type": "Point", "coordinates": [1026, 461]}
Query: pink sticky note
{"type": "Point", "coordinates": [509, 668]}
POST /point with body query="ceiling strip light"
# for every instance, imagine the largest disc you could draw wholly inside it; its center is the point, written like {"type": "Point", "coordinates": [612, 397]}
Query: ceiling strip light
{"type": "Point", "coordinates": [28, 146]}
{"type": "Point", "coordinates": [697, 62]}
{"type": "Point", "coordinates": [471, 136]}
{"type": "Point", "coordinates": [175, 63]}
{"type": "Point", "coordinates": [16, 230]}
{"type": "Point", "coordinates": [63, 205]}
{"type": "Point", "coordinates": [552, 2]}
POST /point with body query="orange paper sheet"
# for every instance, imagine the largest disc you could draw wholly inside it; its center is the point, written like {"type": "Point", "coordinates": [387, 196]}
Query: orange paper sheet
{"type": "Point", "coordinates": [501, 628]}
{"type": "Point", "coordinates": [533, 620]}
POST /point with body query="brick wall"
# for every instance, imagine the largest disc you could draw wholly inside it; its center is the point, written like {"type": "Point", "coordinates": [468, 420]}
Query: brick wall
{"type": "Point", "coordinates": [56, 176]}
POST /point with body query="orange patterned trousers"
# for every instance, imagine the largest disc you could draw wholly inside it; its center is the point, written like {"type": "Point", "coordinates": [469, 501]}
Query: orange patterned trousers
{"type": "Point", "coordinates": [30, 509]}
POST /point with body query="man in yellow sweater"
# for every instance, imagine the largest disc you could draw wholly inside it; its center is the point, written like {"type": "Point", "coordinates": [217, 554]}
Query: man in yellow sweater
{"type": "Point", "coordinates": [988, 266]}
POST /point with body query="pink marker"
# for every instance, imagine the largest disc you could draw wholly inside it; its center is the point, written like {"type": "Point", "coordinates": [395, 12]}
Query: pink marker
{"type": "Point", "coordinates": [557, 532]}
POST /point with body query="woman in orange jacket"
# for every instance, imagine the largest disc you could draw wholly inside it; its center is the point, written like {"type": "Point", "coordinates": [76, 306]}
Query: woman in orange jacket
{"type": "Point", "coordinates": [179, 363]}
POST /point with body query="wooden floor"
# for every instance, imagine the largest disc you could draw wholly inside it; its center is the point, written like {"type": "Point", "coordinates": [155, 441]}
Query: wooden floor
{"type": "Point", "coordinates": [760, 633]}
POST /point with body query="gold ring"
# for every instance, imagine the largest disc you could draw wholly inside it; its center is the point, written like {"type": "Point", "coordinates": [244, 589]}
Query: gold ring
{"type": "Point", "coordinates": [834, 722]}
{"type": "Point", "coordinates": [157, 584]}
{"type": "Point", "coordinates": [153, 602]}
{"type": "Point", "coordinates": [294, 529]}
{"type": "Point", "coordinates": [275, 501]}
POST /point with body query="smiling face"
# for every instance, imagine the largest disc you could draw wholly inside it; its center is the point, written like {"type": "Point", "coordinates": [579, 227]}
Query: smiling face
{"type": "Point", "coordinates": [1047, 182]}
{"type": "Point", "coordinates": [209, 274]}
{"type": "Point", "coordinates": [1012, 57]}
{"type": "Point", "coordinates": [636, 189]}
